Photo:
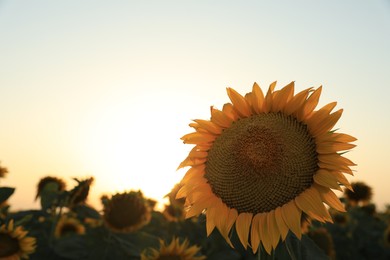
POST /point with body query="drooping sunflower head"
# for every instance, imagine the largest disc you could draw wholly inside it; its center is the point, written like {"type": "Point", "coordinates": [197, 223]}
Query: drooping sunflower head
{"type": "Point", "coordinates": [176, 250]}
{"type": "Point", "coordinates": [79, 194]}
{"type": "Point", "coordinates": [67, 225]}
{"type": "Point", "coordinates": [14, 244]}
{"type": "Point", "coordinates": [126, 212]}
{"type": "Point", "coordinates": [262, 161]}
{"type": "Point", "coordinates": [53, 183]}
{"type": "Point", "coordinates": [360, 193]}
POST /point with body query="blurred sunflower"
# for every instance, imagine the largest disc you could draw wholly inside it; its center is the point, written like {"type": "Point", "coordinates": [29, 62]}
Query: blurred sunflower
{"type": "Point", "coordinates": [68, 226]}
{"type": "Point", "coordinates": [79, 194]}
{"type": "Point", "coordinates": [340, 218]}
{"type": "Point", "coordinates": [360, 193]}
{"type": "Point", "coordinates": [56, 184]}
{"type": "Point", "coordinates": [3, 171]}
{"type": "Point", "coordinates": [323, 240]}
{"type": "Point", "coordinates": [14, 244]}
{"type": "Point", "coordinates": [175, 250]}
{"type": "Point", "coordinates": [174, 211]}
{"type": "Point", "coordinates": [126, 212]}
{"type": "Point", "coordinates": [263, 160]}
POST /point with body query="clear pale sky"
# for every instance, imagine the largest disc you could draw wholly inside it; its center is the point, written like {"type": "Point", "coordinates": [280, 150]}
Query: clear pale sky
{"type": "Point", "coordinates": [107, 88]}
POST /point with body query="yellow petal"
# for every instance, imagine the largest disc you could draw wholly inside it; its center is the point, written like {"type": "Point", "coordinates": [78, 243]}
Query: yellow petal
{"type": "Point", "coordinates": [327, 124]}
{"type": "Point", "coordinates": [264, 233]}
{"type": "Point", "coordinates": [243, 223]}
{"type": "Point", "coordinates": [268, 98]}
{"type": "Point", "coordinates": [296, 102]}
{"type": "Point", "coordinates": [312, 102]}
{"type": "Point", "coordinates": [210, 223]}
{"type": "Point", "coordinates": [220, 118]}
{"type": "Point", "coordinates": [196, 137]}
{"type": "Point", "coordinates": [292, 217]}
{"type": "Point", "coordinates": [330, 198]}
{"type": "Point", "coordinates": [194, 172]}
{"type": "Point", "coordinates": [335, 159]}
{"type": "Point", "coordinates": [335, 167]}
{"type": "Point", "coordinates": [255, 233]}
{"type": "Point", "coordinates": [229, 111]}
{"type": "Point", "coordinates": [327, 179]}
{"type": "Point", "coordinates": [258, 98]}
{"type": "Point", "coordinates": [309, 201]}
{"type": "Point", "coordinates": [342, 179]}
{"type": "Point", "coordinates": [282, 98]}
{"type": "Point", "coordinates": [239, 103]}
{"type": "Point", "coordinates": [282, 226]}
{"type": "Point", "coordinates": [273, 228]}
{"type": "Point", "coordinates": [232, 215]}
{"type": "Point", "coordinates": [209, 126]}
{"type": "Point", "coordinates": [332, 147]}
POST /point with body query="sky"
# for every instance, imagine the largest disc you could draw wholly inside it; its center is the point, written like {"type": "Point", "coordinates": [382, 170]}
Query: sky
{"type": "Point", "coordinates": [107, 88]}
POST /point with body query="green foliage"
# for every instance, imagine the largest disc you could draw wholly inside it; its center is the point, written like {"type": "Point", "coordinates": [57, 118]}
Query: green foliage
{"type": "Point", "coordinates": [356, 234]}
{"type": "Point", "coordinates": [5, 193]}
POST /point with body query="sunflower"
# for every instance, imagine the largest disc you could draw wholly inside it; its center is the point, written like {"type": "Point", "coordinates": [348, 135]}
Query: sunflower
{"type": "Point", "coordinates": [126, 212]}
{"type": "Point", "coordinates": [79, 194]}
{"type": "Point", "coordinates": [360, 193]}
{"type": "Point", "coordinates": [324, 241]}
{"type": "Point", "coordinates": [174, 211]}
{"type": "Point", "coordinates": [175, 250]}
{"type": "Point", "coordinates": [56, 183]}
{"type": "Point", "coordinates": [262, 161]}
{"type": "Point", "coordinates": [68, 226]}
{"type": "Point", "coordinates": [14, 244]}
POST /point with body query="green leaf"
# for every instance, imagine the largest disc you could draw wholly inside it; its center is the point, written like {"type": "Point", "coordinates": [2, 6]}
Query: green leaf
{"type": "Point", "coordinates": [5, 193]}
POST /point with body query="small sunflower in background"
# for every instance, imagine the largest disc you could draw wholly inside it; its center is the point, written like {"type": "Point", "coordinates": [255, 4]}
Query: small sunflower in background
{"type": "Point", "coordinates": [51, 183]}
{"type": "Point", "coordinates": [67, 225]}
{"type": "Point", "coordinates": [3, 171]}
{"type": "Point", "coordinates": [262, 161]}
{"type": "Point", "coordinates": [340, 218]}
{"type": "Point", "coordinates": [14, 244]}
{"type": "Point", "coordinates": [174, 211]}
{"type": "Point", "coordinates": [360, 193]}
{"type": "Point", "coordinates": [126, 212]}
{"type": "Point", "coordinates": [174, 250]}
{"type": "Point", "coordinates": [323, 240]}
{"type": "Point", "coordinates": [79, 194]}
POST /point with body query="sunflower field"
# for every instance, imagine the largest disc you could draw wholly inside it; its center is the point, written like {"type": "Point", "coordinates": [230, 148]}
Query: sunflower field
{"type": "Point", "coordinates": [259, 185]}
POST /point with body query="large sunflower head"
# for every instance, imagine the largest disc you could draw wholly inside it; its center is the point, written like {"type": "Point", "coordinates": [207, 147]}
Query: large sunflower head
{"type": "Point", "coordinates": [126, 212]}
{"type": "Point", "coordinates": [176, 250]}
{"type": "Point", "coordinates": [262, 161]}
{"type": "Point", "coordinates": [68, 226]}
{"type": "Point", "coordinates": [14, 244]}
{"type": "Point", "coordinates": [360, 193]}
{"type": "Point", "coordinates": [56, 184]}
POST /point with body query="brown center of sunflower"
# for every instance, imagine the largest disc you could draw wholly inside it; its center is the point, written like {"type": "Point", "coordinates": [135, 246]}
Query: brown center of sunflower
{"type": "Point", "coordinates": [68, 229]}
{"type": "Point", "coordinates": [262, 162]}
{"type": "Point", "coordinates": [126, 212]}
{"type": "Point", "coordinates": [169, 257]}
{"type": "Point", "coordinates": [8, 245]}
